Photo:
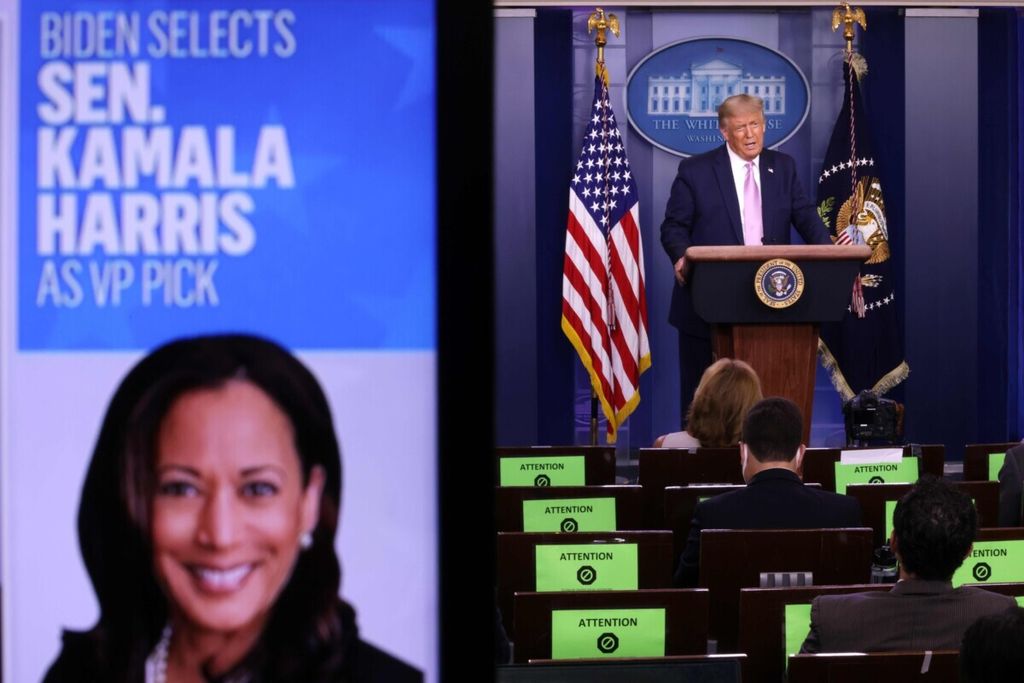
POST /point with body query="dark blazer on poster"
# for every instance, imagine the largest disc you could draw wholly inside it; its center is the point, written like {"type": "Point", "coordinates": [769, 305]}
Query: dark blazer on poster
{"type": "Point", "coordinates": [915, 615]}
{"type": "Point", "coordinates": [703, 210]}
{"type": "Point", "coordinates": [1010, 476]}
{"type": "Point", "coordinates": [773, 499]}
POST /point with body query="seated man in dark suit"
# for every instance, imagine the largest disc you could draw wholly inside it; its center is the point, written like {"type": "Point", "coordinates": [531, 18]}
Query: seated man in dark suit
{"type": "Point", "coordinates": [775, 497]}
{"type": "Point", "coordinates": [933, 530]}
{"type": "Point", "coordinates": [1010, 476]}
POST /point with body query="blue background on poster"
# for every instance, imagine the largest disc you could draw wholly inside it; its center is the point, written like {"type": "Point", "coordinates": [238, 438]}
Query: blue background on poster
{"type": "Point", "coordinates": [344, 259]}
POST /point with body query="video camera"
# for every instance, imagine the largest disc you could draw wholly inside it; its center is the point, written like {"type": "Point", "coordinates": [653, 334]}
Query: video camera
{"type": "Point", "coordinates": [870, 418]}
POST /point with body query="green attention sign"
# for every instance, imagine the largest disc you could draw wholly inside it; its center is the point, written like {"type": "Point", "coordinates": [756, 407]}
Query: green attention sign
{"type": "Point", "coordinates": [995, 463]}
{"type": "Point", "coordinates": [902, 472]}
{"type": "Point", "coordinates": [569, 514]}
{"type": "Point", "coordinates": [587, 567]}
{"type": "Point", "coordinates": [890, 510]}
{"type": "Point", "coordinates": [992, 562]}
{"type": "Point", "coordinates": [796, 624]}
{"type": "Point", "coordinates": [547, 470]}
{"type": "Point", "coordinates": [592, 633]}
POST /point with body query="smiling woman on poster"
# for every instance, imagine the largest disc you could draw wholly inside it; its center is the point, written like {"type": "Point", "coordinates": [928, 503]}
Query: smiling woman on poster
{"type": "Point", "coordinates": [207, 525]}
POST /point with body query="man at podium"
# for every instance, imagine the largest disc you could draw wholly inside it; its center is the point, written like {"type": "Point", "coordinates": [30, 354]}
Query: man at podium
{"type": "Point", "coordinates": [736, 194]}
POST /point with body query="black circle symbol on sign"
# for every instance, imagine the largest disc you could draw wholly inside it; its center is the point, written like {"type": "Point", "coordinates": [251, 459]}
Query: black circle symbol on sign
{"type": "Point", "coordinates": [586, 575]}
{"type": "Point", "coordinates": [542, 480]}
{"type": "Point", "coordinates": [876, 480]}
{"type": "Point", "coordinates": [569, 525]}
{"type": "Point", "coordinates": [607, 643]}
{"type": "Point", "coordinates": [982, 571]}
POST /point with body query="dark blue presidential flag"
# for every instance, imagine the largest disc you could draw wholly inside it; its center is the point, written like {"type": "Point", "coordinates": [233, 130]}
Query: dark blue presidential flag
{"type": "Point", "coordinates": [865, 349]}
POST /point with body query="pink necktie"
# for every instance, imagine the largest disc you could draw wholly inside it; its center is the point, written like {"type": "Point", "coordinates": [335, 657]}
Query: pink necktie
{"type": "Point", "coordinates": [752, 228]}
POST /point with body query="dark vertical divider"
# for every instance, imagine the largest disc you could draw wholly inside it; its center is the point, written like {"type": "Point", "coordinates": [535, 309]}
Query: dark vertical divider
{"type": "Point", "coordinates": [998, 220]}
{"type": "Point", "coordinates": [883, 93]}
{"type": "Point", "coordinates": [942, 226]}
{"type": "Point", "coordinates": [553, 96]}
{"type": "Point", "coordinates": [465, 341]}
{"type": "Point", "coordinates": [1015, 407]}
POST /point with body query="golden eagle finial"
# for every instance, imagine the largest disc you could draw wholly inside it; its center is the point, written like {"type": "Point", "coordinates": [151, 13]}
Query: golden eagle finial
{"type": "Point", "coordinates": [847, 16]}
{"type": "Point", "coordinates": [598, 20]}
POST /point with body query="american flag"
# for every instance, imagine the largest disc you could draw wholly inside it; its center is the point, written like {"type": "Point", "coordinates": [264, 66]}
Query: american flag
{"type": "Point", "coordinates": [604, 308]}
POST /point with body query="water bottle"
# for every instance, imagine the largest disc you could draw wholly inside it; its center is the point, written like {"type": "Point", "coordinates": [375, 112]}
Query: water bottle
{"type": "Point", "coordinates": [884, 568]}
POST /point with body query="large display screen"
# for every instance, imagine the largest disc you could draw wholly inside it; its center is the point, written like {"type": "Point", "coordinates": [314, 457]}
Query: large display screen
{"type": "Point", "coordinates": [193, 168]}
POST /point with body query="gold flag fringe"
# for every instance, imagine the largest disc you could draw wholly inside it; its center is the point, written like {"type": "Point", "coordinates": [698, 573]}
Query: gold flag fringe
{"type": "Point", "coordinates": [886, 383]}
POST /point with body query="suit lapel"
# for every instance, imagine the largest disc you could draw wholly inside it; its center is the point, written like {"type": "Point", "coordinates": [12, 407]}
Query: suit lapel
{"type": "Point", "coordinates": [769, 195]}
{"type": "Point", "coordinates": [723, 171]}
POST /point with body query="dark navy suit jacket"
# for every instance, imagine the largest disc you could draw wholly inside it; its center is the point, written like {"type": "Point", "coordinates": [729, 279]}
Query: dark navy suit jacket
{"type": "Point", "coordinates": [773, 499]}
{"type": "Point", "coordinates": [703, 210]}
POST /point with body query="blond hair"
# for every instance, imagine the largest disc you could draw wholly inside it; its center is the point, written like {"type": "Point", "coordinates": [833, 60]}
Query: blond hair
{"type": "Point", "coordinates": [736, 104]}
{"type": "Point", "coordinates": [727, 390]}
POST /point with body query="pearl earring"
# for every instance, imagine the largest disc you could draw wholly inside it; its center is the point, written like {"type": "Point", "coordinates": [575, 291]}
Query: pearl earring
{"type": "Point", "coordinates": [306, 540]}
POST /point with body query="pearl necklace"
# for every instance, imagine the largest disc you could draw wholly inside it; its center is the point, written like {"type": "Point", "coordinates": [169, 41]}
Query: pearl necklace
{"type": "Point", "coordinates": [156, 663]}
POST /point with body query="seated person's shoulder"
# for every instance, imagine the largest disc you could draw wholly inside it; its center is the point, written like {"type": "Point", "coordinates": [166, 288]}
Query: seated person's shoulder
{"type": "Point", "coordinates": [979, 594]}
{"type": "Point", "coordinates": [847, 506]}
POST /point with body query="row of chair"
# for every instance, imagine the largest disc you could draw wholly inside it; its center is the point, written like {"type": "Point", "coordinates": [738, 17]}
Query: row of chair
{"type": "Point", "coordinates": [940, 666]}
{"type": "Point", "coordinates": [627, 503]}
{"type": "Point", "coordinates": [728, 608]}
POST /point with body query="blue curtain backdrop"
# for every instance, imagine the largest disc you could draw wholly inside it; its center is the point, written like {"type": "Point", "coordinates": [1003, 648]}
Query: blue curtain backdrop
{"type": "Point", "coordinates": [999, 225]}
{"type": "Point", "coordinates": [1015, 407]}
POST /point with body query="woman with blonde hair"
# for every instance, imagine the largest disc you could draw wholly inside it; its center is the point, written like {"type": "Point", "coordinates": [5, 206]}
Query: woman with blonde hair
{"type": "Point", "coordinates": [727, 390]}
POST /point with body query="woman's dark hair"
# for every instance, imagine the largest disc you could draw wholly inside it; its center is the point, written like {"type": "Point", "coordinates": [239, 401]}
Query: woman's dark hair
{"type": "Point", "coordinates": [304, 630]}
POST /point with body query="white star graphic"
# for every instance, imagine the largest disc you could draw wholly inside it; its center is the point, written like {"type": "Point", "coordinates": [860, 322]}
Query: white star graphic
{"type": "Point", "coordinates": [615, 190]}
{"type": "Point", "coordinates": [576, 179]}
{"type": "Point", "coordinates": [595, 207]}
{"type": "Point", "coordinates": [586, 193]}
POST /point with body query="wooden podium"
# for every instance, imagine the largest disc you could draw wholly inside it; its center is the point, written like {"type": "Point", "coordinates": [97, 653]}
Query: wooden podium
{"type": "Point", "coordinates": [778, 337]}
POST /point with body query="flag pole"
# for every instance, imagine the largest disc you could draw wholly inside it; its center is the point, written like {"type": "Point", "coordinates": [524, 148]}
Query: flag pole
{"type": "Point", "coordinates": [847, 16]}
{"type": "Point", "coordinates": [601, 22]}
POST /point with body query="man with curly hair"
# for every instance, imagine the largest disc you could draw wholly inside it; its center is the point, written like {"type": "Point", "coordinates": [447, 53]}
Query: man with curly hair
{"type": "Point", "coordinates": [933, 531]}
